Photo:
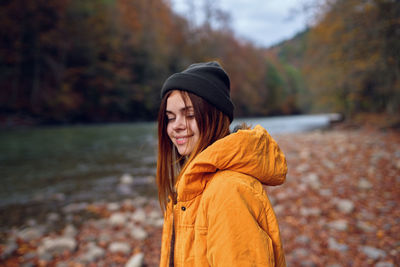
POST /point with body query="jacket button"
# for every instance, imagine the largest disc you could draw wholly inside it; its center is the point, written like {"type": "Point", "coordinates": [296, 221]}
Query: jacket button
{"type": "Point", "coordinates": [183, 208]}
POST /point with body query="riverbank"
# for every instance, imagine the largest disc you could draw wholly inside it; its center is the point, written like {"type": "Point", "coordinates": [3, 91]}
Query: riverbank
{"type": "Point", "coordinates": [339, 204]}
{"type": "Point", "coordinates": [338, 207]}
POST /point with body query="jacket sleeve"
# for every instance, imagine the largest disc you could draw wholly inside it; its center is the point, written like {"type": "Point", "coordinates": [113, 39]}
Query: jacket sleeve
{"type": "Point", "coordinates": [235, 237]}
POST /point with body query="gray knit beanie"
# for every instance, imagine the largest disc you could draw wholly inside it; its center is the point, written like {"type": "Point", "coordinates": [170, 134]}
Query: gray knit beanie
{"type": "Point", "coordinates": [207, 80]}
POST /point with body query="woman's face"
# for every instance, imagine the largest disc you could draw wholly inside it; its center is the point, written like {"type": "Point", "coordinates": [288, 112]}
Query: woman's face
{"type": "Point", "coordinates": [182, 127]}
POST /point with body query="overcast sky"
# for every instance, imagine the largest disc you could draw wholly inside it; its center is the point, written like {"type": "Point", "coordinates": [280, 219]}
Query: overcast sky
{"type": "Point", "coordinates": [264, 22]}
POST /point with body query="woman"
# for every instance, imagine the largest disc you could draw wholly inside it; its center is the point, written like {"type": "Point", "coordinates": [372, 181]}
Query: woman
{"type": "Point", "coordinates": [210, 181]}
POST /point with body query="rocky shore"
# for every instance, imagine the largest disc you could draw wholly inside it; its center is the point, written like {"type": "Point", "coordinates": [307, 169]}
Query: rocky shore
{"type": "Point", "coordinates": [125, 233]}
{"type": "Point", "coordinates": [339, 207]}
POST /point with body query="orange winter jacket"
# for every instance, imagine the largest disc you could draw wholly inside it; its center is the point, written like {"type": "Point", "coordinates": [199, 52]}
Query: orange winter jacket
{"type": "Point", "coordinates": [223, 216]}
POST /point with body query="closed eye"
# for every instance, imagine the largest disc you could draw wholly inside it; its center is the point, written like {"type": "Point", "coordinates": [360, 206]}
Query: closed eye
{"type": "Point", "coordinates": [190, 116]}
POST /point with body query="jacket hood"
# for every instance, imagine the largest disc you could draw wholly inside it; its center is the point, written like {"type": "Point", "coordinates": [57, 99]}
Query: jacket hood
{"type": "Point", "coordinates": [252, 152]}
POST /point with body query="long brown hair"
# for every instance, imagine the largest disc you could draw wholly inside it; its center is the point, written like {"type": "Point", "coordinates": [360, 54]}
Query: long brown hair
{"type": "Point", "coordinates": [212, 124]}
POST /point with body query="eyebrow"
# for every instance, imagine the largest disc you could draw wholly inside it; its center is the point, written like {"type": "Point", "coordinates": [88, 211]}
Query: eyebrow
{"type": "Point", "coordinates": [184, 109]}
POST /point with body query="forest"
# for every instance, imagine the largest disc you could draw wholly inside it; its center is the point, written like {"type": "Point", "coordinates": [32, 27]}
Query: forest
{"type": "Point", "coordinates": [71, 61]}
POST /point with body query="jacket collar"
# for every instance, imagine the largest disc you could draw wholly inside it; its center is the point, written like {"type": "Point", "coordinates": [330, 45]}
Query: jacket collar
{"type": "Point", "coordinates": [252, 152]}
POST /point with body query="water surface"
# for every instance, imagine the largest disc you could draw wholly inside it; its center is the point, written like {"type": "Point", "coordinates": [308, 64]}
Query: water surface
{"type": "Point", "coordinates": [73, 162]}
{"type": "Point", "coordinates": [85, 163]}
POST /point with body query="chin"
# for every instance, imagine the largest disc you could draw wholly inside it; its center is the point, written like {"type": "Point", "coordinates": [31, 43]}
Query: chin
{"type": "Point", "coordinates": [184, 152]}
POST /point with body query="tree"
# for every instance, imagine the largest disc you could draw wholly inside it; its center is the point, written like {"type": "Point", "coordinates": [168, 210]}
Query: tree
{"type": "Point", "coordinates": [353, 56]}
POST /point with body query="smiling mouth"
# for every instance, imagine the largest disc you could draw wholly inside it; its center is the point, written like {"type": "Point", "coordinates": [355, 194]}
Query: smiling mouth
{"type": "Point", "coordinates": [182, 140]}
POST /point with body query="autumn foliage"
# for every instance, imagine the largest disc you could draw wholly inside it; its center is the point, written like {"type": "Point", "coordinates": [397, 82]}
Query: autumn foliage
{"type": "Point", "coordinates": [353, 56]}
{"type": "Point", "coordinates": [71, 61]}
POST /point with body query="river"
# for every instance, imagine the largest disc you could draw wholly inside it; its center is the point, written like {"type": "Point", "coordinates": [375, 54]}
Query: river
{"type": "Point", "coordinates": [84, 163]}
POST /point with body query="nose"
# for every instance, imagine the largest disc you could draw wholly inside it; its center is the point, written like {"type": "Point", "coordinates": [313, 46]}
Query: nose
{"type": "Point", "coordinates": [179, 123]}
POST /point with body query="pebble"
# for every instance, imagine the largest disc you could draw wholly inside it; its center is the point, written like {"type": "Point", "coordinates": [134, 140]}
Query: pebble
{"type": "Point", "coordinates": [113, 206]}
{"type": "Point", "coordinates": [104, 237]}
{"type": "Point", "coordinates": [329, 164]}
{"type": "Point", "coordinates": [344, 205]}
{"type": "Point", "coordinates": [367, 215]}
{"type": "Point", "coordinates": [340, 178]}
{"type": "Point", "coordinates": [305, 154]}
{"type": "Point", "coordinates": [340, 225]}
{"type": "Point", "coordinates": [119, 247]}
{"type": "Point", "coordinates": [301, 188]}
{"type": "Point", "coordinates": [302, 168]}
{"type": "Point", "coordinates": [282, 195]}
{"type": "Point", "coordinates": [313, 180]}
{"type": "Point", "coordinates": [135, 261]}
{"type": "Point", "coordinates": [310, 211]}
{"type": "Point", "coordinates": [138, 233]}
{"type": "Point", "coordinates": [70, 231]}
{"type": "Point", "coordinates": [139, 215]}
{"type": "Point", "coordinates": [127, 204]}
{"type": "Point", "coordinates": [300, 252]}
{"type": "Point", "coordinates": [156, 222]}
{"type": "Point", "coordinates": [118, 219]}
{"type": "Point", "coordinates": [92, 254]}
{"type": "Point", "coordinates": [75, 207]}
{"type": "Point", "coordinates": [155, 214]}
{"type": "Point", "coordinates": [372, 252]}
{"type": "Point", "coordinates": [364, 184]}
{"type": "Point", "coordinates": [101, 223]}
{"type": "Point", "coordinates": [366, 227]}
{"type": "Point", "coordinates": [325, 192]}
{"type": "Point", "coordinates": [303, 239]}
{"type": "Point", "coordinates": [334, 245]}
{"type": "Point", "coordinates": [126, 179]}
{"type": "Point", "coordinates": [342, 149]}
{"type": "Point", "coordinates": [53, 217]}
{"type": "Point", "coordinates": [56, 246]}
{"type": "Point", "coordinates": [31, 233]}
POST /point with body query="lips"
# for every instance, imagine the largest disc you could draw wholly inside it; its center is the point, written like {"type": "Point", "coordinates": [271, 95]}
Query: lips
{"type": "Point", "coordinates": [181, 140]}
